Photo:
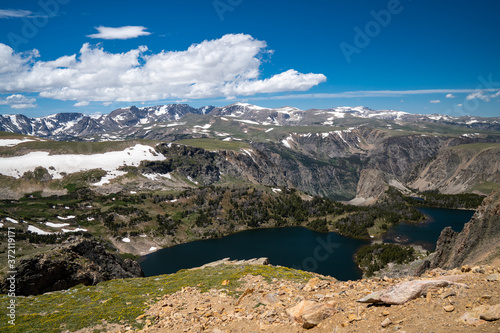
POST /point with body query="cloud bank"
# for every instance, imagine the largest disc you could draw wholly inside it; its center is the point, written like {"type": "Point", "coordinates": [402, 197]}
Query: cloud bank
{"type": "Point", "coordinates": [472, 93]}
{"type": "Point", "coordinates": [224, 67]}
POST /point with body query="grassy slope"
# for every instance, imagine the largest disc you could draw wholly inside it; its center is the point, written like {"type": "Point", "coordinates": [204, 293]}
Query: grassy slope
{"type": "Point", "coordinates": [214, 144]}
{"type": "Point", "coordinates": [63, 147]}
{"type": "Point", "coordinates": [477, 147]}
{"type": "Point", "coordinates": [122, 301]}
{"type": "Point", "coordinates": [9, 135]}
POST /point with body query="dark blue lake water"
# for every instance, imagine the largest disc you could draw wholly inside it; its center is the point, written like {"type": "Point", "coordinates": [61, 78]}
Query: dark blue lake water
{"type": "Point", "coordinates": [427, 233]}
{"type": "Point", "coordinates": [327, 254]}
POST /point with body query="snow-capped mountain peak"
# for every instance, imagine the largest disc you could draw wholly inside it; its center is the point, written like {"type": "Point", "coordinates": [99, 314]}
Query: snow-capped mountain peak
{"type": "Point", "coordinates": [78, 125]}
{"type": "Point", "coordinates": [249, 106]}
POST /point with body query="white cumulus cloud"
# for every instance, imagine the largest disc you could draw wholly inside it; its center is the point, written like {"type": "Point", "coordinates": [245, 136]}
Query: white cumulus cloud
{"type": "Point", "coordinates": [450, 96]}
{"type": "Point", "coordinates": [18, 101]}
{"type": "Point", "coordinates": [126, 32]}
{"type": "Point", "coordinates": [435, 101]}
{"type": "Point", "coordinates": [224, 67]}
{"type": "Point", "coordinates": [82, 103]}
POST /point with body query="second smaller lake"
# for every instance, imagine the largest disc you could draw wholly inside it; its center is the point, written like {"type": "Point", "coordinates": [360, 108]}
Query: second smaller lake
{"type": "Point", "coordinates": [427, 233]}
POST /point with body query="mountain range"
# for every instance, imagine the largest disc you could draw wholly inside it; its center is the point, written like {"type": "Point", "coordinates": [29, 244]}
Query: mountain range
{"type": "Point", "coordinates": [341, 153]}
{"type": "Point", "coordinates": [129, 122]}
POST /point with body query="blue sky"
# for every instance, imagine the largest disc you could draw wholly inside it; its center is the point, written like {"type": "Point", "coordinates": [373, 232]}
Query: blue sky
{"type": "Point", "coordinates": [90, 56]}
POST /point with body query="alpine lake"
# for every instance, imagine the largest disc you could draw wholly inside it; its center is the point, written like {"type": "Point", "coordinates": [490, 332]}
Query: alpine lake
{"type": "Point", "coordinates": [300, 248]}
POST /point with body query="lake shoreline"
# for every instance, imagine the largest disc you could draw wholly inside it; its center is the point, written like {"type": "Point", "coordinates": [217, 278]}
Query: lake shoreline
{"type": "Point", "coordinates": [293, 246]}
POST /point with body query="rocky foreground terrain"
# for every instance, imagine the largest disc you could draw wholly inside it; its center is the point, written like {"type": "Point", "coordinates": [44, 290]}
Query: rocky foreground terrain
{"type": "Point", "coordinates": [459, 300]}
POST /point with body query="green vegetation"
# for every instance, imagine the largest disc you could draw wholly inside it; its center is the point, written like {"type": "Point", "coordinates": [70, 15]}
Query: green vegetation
{"type": "Point", "coordinates": [486, 187]}
{"type": "Point", "coordinates": [122, 301]}
{"type": "Point", "coordinates": [320, 225]}
{"type": "Point", "coordinates": [452, 201]}
{"type": "Point", "coordinates": [223, 208]}
{"type": "Point", "coordinates": [9, 135]}
{"type": "Point", "coordinates": [477, 147]}
{"type": "Point", "coordinates": [78, 180]}
{"type": "Point", "coordinates": [389, 210]}
{"type": "Point", "coordinates": [208, 212]}
{"type": "Point", "coordinates": [214, 144]}
{"type": "Point", "coordinates": [65, 147]}
{"type": "Point", "coordinates": [372, 258]}
{"type": "Point", "coordinates": [433, 129]}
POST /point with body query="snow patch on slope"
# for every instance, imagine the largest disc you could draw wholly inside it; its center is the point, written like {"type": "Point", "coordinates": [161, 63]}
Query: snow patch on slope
{"type": "Point", "coordinates": [38, 231]}
{"type": "Point", "coordinates": [12, 142]}
{"type": "Point", "coordinates": [71, 163]}
{"type": "Point", "coordinates": [286, 142]}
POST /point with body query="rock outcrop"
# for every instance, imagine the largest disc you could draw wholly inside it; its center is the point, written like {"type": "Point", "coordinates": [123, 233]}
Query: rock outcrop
{"type": "Point", "coordinates": [406, 291]}
{"type": "Point", "coordinates": [77, 261]}
{"type": "Point", "coordinates": [264, 163]}
{"type": "Point", "coordinates": [478, 241]}
{"type": "Point", "coordinates": [372, 184]}
{"type": "Point", "coordinates": [228, 261]}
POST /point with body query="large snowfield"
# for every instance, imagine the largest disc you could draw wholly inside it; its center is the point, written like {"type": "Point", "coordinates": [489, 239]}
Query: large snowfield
{"type": "Point", "coordinates": [71, 163]}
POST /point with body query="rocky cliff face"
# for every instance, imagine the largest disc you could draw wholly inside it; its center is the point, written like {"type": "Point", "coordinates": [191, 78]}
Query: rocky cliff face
{"type": "Point", "coordinates": [77, 261]}
{"type": "Point", "coordinates": [372, 183]}
{"type": "Point", "coordinates": [266, 164]}
{"type": "Point", "coordinates": [397, 155]}
{"type": "Point", "coordinates": [458, 170]}
{"type": "Point", "coordinates": [478, 241]}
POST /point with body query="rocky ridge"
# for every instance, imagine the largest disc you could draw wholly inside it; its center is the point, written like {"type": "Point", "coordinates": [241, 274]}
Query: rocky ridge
{"type": "Point", "coordinates": [477, 242]}
{"type": "Point", "coordinates": [76, 261]}
{"type": "Point", "coordinates": [436, 302]}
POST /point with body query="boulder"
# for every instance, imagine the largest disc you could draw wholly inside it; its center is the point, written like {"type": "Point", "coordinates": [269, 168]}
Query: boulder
{"type": "Point", "coordinates": [312, 284]}
{"type": "Point", "coordinates": [480, 314]}
{"type": "Point", "coordinates": [310, 313]}
{"type": "Point", "coordinates": [449, 308]}
{"type": "Point", "coordinates": [491, 314]}
{"type": "Point", "coordinates": [406, 291]}
{"type": "Point", "coordinates": [386, 322]}
{"type": "Point", "coordinates": [493, 277]}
